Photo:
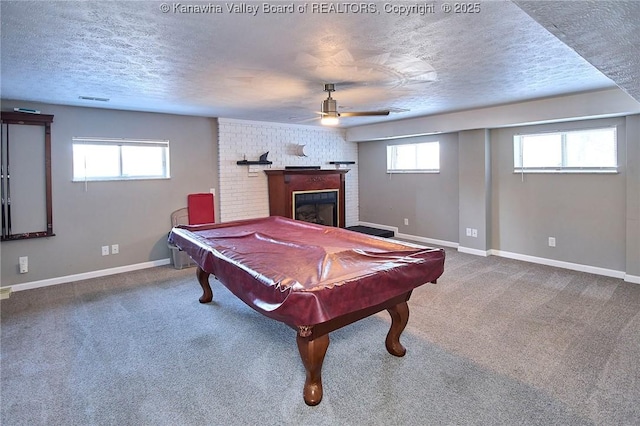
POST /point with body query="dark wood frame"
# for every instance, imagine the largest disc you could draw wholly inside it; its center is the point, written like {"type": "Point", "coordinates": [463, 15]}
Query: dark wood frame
{"type": "Point", "coordinates": [283, 183]}
{"type": "Point", "coordinates": [45, 120]}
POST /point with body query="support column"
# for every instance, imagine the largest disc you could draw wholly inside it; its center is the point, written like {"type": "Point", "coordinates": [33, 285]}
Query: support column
{"type": "Point", "coordinates": [474, 180]}
{"type": "Point", "coordinates": [632, 272]}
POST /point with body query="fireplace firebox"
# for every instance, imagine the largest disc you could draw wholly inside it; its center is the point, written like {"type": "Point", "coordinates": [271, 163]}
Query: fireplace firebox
{"type": "Point", "coordinates": [316, 206]}
{"type": "Point", "coordinates": [310, 195]}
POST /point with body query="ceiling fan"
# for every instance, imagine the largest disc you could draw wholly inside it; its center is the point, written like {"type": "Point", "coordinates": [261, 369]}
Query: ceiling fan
{"type": "Point", "coordinates": [330, 114]}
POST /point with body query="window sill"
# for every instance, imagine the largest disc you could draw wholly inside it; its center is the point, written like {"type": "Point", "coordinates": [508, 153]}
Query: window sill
{"type": "Point", "coordinates": [567, 171]}
{"type": "Point", "coordinates": [119, 179]}
{"type": "Point", "coordinates": [393, 172]}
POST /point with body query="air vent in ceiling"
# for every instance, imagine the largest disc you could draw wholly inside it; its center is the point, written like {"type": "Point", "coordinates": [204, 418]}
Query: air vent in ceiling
{"type": "Point", "coordinates": [93, 98]}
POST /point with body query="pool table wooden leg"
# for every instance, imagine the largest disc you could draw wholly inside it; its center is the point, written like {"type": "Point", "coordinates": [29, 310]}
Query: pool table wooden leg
{"type": "Point", "coordinates": [312, 353]}
{"type": "Point", "coordinates": [203, 279]}
{"type": "Point", "coordinates": [399, 318]}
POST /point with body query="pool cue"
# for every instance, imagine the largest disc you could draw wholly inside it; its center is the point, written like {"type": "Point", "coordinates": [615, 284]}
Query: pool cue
{"type": "Point", "coordinates": [8, 230]}
{"type": "Point", "coordinates": [4, 219]}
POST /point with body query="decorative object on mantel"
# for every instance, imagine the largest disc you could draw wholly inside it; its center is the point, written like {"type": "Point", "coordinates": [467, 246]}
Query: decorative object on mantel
{"type": "Point", "coordinates": [263, 160]}
{"type": "Point", "coordinates": [299, 150]}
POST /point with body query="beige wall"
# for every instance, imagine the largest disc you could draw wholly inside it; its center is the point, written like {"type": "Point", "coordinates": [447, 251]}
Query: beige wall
{"type": "Point", "coordinates": [594, 217]}
{"type": "Point", "coordinates": [429, 201]}
{"type": "Point", "coordinates": [133, 214]}
{"type": "Point", "coordinates": [633, 196]}
{"type": "Point", "coordinates": [584, 212]}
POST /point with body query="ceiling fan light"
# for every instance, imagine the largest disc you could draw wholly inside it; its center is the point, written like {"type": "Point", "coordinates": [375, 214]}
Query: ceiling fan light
{"type": "Point", "coordinates": [329, 120]}
{"type": "Point", "coordinates": [329, 112]}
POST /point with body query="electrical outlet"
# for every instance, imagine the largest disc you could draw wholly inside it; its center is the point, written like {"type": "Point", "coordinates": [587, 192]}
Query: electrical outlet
{"type": "Point", "coordinates": [24, 264]}
{"type": "Point", "coordinates": [474, 233]}
{"type": "Point", "coordinates": [115, 249]}
{"type": "Point", "coordinates": [468, 232]}
{"type": "Point", "coordinates": [406, 221]}
{"type": "Point", "coordinates": [105, 250]}
{"type": "Point", "coordinates": [552, 241]}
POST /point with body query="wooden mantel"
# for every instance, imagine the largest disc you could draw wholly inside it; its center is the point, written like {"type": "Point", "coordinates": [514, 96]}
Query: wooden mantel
{"type": "Point", "coordinates": [283, 183]}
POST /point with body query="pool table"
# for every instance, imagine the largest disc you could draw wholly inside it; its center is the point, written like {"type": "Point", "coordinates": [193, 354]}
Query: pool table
{"type": "Point", "coordinates": [311, 277]}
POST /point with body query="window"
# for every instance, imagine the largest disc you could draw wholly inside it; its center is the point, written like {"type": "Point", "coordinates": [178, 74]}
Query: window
{"type": "Point", "coordinates": [414, 158]}
{"type": "Point", "coordinates": [578, 151]}
{"type": "Point", "coordinates": [119, 159]}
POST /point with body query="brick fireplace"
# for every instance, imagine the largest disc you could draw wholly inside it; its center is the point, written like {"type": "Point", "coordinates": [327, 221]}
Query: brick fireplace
{"type": "Point", "coordinates": [312, 195]}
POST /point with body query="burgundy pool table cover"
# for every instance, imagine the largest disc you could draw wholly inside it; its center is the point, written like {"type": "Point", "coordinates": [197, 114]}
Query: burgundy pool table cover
{"type": "Point", "coordinates": [305, 274]}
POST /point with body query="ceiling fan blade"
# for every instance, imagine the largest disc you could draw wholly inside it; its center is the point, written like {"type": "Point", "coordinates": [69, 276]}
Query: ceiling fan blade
{"type": "Point", "coordinates": [330, 108]}
{"type": "Point", "coordinates": [304, 118]}
{"type": "Point", "coordinates": [363, 113]}
{"type": "Point", "coordinates": [308, 120]}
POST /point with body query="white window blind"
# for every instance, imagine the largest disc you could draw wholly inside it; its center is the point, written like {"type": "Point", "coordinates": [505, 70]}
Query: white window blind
{"type": "Point", "coordinates": [119, 159]}
{"type": "Point", "coordinates": [578, 151]}
{"type": "Point", "coordinates": [414, 158]}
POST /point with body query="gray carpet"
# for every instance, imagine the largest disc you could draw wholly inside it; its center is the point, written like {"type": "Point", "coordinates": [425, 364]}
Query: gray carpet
{"type": "Point", "coordinates": [496, 341]}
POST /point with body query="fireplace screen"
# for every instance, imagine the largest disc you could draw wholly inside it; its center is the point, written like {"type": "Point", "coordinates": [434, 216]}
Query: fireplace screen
{"type": "Point", "coordinates": [316, 206]}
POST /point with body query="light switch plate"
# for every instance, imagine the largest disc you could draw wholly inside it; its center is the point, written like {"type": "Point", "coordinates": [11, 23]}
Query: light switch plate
{"type": "Point", "coordinates": [23, 261]}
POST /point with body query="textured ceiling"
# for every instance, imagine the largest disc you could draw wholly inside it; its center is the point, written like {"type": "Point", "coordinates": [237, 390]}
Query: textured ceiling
{"type": "Point", "coordinates": [272, 66]}
{"type": "Point", "coordinates": [605, 33]}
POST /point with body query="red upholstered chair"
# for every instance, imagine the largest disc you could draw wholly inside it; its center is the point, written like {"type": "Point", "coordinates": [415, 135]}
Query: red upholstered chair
{"type": "Point", "coordinates": [199, 210]}
{"type": "Point", "coordinates": [200, 207]}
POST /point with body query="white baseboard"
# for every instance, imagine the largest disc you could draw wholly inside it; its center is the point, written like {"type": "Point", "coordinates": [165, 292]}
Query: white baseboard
{"type": "Point", "coordinates": [516, 256]}
{"type": "Point", "coordinates": [428, 241]}
{"type": "Point", "coordinates": [483, 253]}
{"type": "Point", "coordinates": [560, 264]}
{"type": "Point", "coordinates": [632, 279]}
{"type": "Point", "coordinates": [88, 275]}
